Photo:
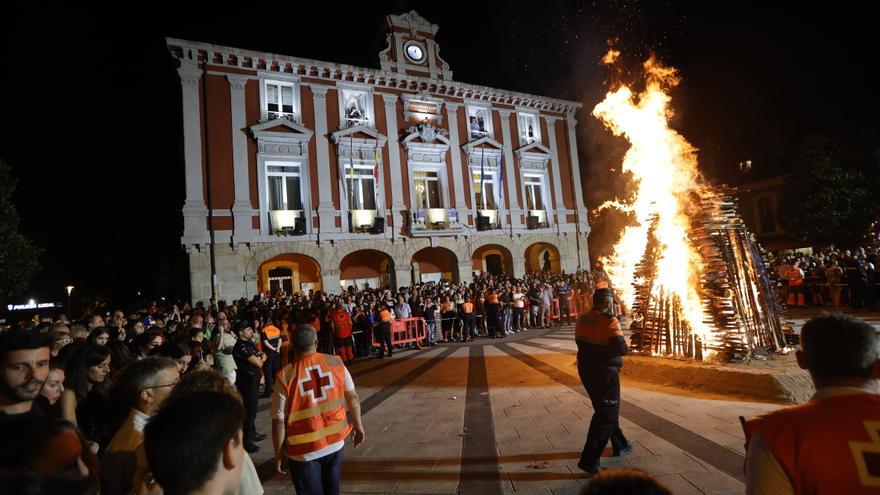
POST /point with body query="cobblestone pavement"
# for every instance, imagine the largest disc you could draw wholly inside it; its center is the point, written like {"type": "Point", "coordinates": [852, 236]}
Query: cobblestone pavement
{"type": "Point", "coordinates": [510, 416]}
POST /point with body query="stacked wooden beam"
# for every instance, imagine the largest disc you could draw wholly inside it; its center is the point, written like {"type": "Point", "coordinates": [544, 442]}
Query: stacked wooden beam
{"type": "Point", "coordinates": [740, 306]}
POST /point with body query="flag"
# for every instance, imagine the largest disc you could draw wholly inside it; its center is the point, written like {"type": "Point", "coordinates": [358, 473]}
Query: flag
{"type": "Point", "coordinates": [376, 177]}
{"type": "Point", "coordinates": [351, 173]}
{"type": "Point", "coordinates": [499, 187]}
{"type": "Point", "coordinates": [482, 178]}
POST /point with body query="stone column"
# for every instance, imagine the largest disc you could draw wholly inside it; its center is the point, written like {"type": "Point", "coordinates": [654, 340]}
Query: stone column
{"type": "Point", "coordinates": [326, 208]}
{"type": "Point", "coordinates": [397, 204]}
{"type": "Point", "coordinates": [554, 170]}
{"type": "Point", "coordinates": [461, 203]}
{"type": "Point", "coordinates": [466, 270]}
{"type": "Point", "coordinates": [519, 267]}
{"type": "Point", "coordinates": [582, 220]}
{"type": "Point", "coordinates": [509, 171]}
{"type": "Point", "coordinates": [195, 212]}
{"type": "Point", "coordinates": [402, 276]}
{"type": "Point", "coordinates": [242, 209]}
{"type": "Point", "coordinates": [330, 281]}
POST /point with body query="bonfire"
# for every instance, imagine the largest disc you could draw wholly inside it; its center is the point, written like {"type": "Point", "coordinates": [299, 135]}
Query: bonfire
{"type": "Point", "coordinates": [693, 276]}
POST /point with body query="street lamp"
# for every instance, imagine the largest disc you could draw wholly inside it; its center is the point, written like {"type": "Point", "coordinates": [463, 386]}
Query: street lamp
{"type": "Point", "coordinates": [69, 308]}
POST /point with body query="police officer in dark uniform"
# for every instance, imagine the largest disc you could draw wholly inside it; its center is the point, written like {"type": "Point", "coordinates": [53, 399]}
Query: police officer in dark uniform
{"type": "Point", "coordinates": [601, 346]}
{"type": "Point", "coordinates": [249, 362]}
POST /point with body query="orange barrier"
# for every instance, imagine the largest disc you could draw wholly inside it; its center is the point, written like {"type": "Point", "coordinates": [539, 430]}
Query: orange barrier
{"type": "Point", "coordinates": [406, 331]}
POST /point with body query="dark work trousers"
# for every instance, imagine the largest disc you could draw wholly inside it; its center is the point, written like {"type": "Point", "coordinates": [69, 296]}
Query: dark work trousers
{"type": "Point", "coordinates": [494, 325]}
{"type": "Point", "coordinates": [248, 385]}
{"type": "Point", "coordinates": [383, 335]}
{"type": "Point", "coordinates": [603, 386]}
{"type": "Point", "coordinates": [270, 369]}
{"type": "Point", "coordinates": [470, 326]}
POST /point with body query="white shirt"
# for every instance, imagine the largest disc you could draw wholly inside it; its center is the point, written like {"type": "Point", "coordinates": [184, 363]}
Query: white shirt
{"type": "Point", "coordinates": [279, 403]}
{"type": "Point", "coordinates": [518, 300]}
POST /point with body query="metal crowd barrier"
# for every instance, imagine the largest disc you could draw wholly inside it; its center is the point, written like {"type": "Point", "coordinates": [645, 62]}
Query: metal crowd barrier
{"type": "Point", "coordinates": [406, 331]}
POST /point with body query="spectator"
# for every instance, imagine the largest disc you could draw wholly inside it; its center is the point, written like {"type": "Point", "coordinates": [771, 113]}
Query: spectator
{"type": "Point", "coordinates": [176, 351]}
{"type": "Point", "coordinates": [194, 444]}
{"type": "Point", "coordinates": [52, 389]}
{"type": "Point", "coordinates": [98, 336]}
{"type": "Point", "coordinates": [83, 399]}
{"type": "Point", "coordinates": [822, 446]}
{"type": "Point", "coordinates": [222, 344]}
{"type": "Point", "coordinates": [24, 364]}
{"type": "Point", "coordinates": [146, 383]}
{"type": "Point", "coordinates": [211, 381]}
{"type": "Point", "coordinates": [43, 446]}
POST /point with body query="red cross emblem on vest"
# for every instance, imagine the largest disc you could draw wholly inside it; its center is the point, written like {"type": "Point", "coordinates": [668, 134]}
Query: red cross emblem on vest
{"type": "Point", "coordinates": [316, 383]}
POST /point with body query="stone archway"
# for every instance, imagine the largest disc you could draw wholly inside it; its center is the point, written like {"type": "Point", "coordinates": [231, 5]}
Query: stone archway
{"type": "Point", "coordinates": [366, 267]}
{"type": "Point", "coordinates": [493, 258]}
{"type": "Point", "coordinates": [542, 256]}
{"type": "Point", "coordinates": [434, 264]}
{"type": "Point", "coordinates": [290, 272]}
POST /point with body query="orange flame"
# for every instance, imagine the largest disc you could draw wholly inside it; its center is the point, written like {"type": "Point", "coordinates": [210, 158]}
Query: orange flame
{"type": "Point", "coordinates": [611, 56]}
{"type": "Point", "coordinates": [664, 167]}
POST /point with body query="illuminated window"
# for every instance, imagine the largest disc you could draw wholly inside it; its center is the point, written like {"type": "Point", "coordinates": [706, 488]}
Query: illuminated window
{"type": "Point", "coordinates": [284, 180]}
{"type": "Point", "coordinates": [361, 186]}
{"type": "Point", "coordinates": [534, 192]}
{"type": "Point", "coordinates": [484, 190]}
{"type": "Point", "coordinates": [479, 121]}
{"type": "Point", "coordinates": [529, 127]}
{"type": "Point", "coordinates": [427, 185]}
{"type": "Point", "coordinates": [356, 107]}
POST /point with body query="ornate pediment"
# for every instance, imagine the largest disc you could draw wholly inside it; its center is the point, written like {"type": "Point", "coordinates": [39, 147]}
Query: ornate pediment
{"type": "Point", "coordinates": [533, 156]}
{"type": "Point", "coordinates": [359, 134]}
{"type": "Point", "coordinates": [426, 143]}
{"type": "Point", "coordinates": [485, 145]}
{"type": "Point", "coordinates": [281, 137]}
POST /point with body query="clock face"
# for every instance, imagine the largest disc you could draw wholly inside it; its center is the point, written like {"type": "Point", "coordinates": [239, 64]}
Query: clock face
{"type": "Point", "coordinates": [415, 52]}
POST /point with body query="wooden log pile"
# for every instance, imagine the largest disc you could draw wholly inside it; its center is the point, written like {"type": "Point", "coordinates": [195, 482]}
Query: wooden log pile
{"type": "Point", "coordinates": [740, 307]}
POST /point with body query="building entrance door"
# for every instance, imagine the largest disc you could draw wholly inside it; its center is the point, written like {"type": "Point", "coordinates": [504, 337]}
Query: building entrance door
{"type": "Point", "coordinates": [494, 264]}
{"type": "Point", "coordinates": [281, 279]}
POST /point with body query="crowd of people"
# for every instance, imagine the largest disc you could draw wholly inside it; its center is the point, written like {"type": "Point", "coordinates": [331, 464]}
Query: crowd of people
{"type": "Point", "coordinates": [95, 384]}
{"type": "Point", "coordinates": [830, 277]}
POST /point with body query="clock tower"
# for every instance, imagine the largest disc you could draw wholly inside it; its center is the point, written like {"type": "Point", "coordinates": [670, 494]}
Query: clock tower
{"type": "Point", "coordinates": [411, 48]}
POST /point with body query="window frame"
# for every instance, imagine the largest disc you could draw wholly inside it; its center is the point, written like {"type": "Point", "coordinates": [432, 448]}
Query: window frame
{"type": "Point", "coordinates": [299, 174]}
{"type": "Point", "coordinates": [437, 178]}
{"type": "Point", "coordinates": [370, 120]}
{"type": "Point", "coordinates": [280, 80]}
{"type": "Point", "coordinates": [489, 124]}
{"type": "Point", "coordinates": [521, 114]}
{"type": "Point", "coordinates": [360, 177]}
{"type": "Point", "coordinates": [529, 179]}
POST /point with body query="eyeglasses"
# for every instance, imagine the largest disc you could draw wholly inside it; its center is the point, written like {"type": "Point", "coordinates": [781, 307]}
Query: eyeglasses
{"type": "Point", "coordinates": [175, 382]}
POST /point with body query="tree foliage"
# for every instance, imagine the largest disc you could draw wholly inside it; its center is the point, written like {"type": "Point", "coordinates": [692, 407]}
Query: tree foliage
{"type": "Point", "coordinates": [19, 258]}
{"type": "Point", "coordinates": [832, 195]}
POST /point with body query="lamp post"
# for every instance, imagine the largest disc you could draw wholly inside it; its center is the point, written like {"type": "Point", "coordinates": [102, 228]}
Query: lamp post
{"type": "Point", "coordinates": [69, 308]}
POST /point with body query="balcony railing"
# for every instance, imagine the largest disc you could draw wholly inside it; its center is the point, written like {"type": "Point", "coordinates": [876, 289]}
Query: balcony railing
{"type": "Point", "coordinates": [287, 222]}
{"type": "Point", "coordinates": [537, 219]}
{"type": "Point", "coordinates": [434, 220]}
{"type": "Point", "coordinates": [365, 222]}
{"type": "Point", "coordinates": [488, 220]}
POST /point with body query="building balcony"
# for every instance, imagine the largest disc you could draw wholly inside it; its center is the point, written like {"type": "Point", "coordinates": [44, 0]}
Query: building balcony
{"type": "Point", "coordinates": [488, 220]}
{"type": "Point", "coordinates": [287, 222]}
{"type": "Point", "coordinates": [427, 222]}
{"type": "Point", "coordinates": [365, 222]}
{"type": "Point", "coordinates": [537, 219]}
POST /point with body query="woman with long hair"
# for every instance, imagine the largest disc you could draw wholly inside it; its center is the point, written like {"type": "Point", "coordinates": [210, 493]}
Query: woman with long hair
{"type": "Point", "coordinates": [83, 399]}
{"type": "Point", "coordinates": [99, 336]}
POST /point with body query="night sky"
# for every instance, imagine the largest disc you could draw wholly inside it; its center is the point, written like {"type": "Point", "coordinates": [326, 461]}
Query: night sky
{"type": "Point", "coordinates": [91, 120]}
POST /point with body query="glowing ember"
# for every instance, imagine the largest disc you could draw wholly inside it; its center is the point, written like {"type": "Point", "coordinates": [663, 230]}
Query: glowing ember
{"type": "Point", "coordinates": [677, 264]}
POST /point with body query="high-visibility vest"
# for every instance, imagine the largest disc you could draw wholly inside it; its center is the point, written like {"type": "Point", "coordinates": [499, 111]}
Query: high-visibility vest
{"type": "Point", "coordinates": [272, 332]}
{"type": "Point", "coordinates": [385, 315]}
{"type": "Point", "coordinates": [342, 325]}
{"type": "Point", "coordinates": [316, 416]}
{"type": "Point", "coordinates": [825, 446]}
{"type": "Point", "coordinates": [468, 307]}
{"type": "Point", "coordinates": [492, 298]}
{"type": "Point", "coordinates": [596, 328]}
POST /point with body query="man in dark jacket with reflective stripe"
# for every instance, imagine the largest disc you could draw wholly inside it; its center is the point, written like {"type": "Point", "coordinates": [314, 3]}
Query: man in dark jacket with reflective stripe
{"type": "Point", "coordinates": [601, 346]}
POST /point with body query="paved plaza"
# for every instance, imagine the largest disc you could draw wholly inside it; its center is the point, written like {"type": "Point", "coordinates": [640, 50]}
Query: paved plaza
{"type": "Point", "coordinates": [511, 416]}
